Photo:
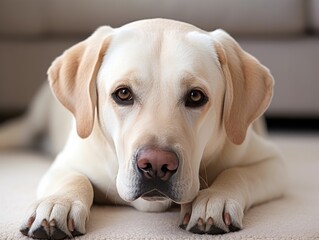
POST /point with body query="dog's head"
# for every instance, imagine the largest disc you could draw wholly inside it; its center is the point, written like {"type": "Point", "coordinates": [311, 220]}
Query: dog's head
{"type": "Point", "coordinates": [168, 96]}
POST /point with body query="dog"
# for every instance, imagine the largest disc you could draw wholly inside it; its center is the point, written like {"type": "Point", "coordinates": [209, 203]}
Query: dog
{"type": "Point", "coordinates": [154, 112]}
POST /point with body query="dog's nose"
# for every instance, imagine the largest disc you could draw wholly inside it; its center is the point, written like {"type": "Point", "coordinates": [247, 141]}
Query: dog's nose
{"type": "Point", "coordinates": [157, 163]}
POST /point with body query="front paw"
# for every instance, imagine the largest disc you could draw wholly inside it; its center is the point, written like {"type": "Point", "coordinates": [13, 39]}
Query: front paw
{"type": "Point", "coordinates": [55, 217]}
{"type": "Point", "coordinates": [212, 213]}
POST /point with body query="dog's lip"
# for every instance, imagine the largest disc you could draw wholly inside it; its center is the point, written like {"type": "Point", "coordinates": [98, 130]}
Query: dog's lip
{"type": "Point", "coordinates": [154, 195]}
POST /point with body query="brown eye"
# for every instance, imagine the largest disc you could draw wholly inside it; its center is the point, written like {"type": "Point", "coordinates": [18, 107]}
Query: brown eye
{"type": "Point", "coordinates": [195, 98]}
{"type": "Point", "coordinates": [123, 96]}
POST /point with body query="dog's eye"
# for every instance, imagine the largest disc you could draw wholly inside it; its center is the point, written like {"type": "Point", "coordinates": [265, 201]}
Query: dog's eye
{"type": "Point", "coordinates": [195, 98]}
{"type": "Point", "coordinates": [123, 96]}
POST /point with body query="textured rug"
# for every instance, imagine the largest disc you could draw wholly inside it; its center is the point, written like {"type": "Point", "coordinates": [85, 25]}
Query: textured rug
{"type": "Point", "coordinates": [294, 216]}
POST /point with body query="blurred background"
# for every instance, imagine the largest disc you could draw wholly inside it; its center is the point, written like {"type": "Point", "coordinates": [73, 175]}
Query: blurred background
{"type": "Point", "coordinates": [283, 35]}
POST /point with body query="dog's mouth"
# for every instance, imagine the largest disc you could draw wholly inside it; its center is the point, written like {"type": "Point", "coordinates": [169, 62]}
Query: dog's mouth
{"type": "Point", "coordinates": [154, 195]}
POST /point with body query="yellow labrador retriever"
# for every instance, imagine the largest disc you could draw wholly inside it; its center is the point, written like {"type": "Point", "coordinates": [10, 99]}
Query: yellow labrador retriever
{"type": "Point", "coordinates": [163, 112]}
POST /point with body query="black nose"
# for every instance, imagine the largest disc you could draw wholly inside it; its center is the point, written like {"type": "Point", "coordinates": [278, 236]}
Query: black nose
{"type": "Point", "coordinates": [157, 163]}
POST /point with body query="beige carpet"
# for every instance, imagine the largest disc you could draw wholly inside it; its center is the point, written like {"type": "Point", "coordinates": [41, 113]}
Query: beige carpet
{"type": "Point", "coordinates": [295, 216]}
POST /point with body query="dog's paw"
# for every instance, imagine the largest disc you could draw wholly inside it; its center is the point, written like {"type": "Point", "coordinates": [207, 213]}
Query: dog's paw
{"type": "Point", "coordinates": [55, 218]}
{"type": "Point", "coordinates": [211, 213]}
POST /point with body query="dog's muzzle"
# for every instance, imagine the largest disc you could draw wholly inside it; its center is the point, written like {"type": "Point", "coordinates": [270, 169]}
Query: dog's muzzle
{"type": "Point", "coordinates": [156, 169]}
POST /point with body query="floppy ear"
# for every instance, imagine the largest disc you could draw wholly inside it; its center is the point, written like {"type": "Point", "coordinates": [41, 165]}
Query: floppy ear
{"type": "Point", "coordinates": [72, 77]}
{"type": "Point", "coordinates": [249, 86]}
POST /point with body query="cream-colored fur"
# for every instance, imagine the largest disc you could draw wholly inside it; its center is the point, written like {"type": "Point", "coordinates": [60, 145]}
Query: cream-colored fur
{"type": "Point", "coordinates": [225, 165]}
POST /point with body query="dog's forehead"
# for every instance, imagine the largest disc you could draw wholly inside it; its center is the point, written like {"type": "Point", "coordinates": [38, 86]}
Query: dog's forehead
{"type": "Point", "coordinates": [161, 25]}
{"type": "Point", "coordinates": [157, 35]}
{"type": "Point", "coordinates": [154, 48]}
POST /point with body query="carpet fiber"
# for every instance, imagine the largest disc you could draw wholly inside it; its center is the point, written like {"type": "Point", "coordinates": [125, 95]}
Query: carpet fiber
{"type": "Point", "coordinates": [294, 216]}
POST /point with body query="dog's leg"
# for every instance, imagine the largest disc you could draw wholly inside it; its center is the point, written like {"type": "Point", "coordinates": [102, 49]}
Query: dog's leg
{"type": "Point", "coordinates": [220, 208]}
{"type": "Point", "coordinates": [21, 132]}
{"type": "Point", "coordinates": [63, 208]}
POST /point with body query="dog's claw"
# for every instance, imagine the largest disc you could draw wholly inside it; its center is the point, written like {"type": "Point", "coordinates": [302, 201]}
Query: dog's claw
{"type": "Point", "coordinates": [209, 227]}
{"type": "Point", "coordinates": [206, 228]}
{"type": "Point", "coordinates": [57, 233]}
{"type": "Point", "coordinates": [228, 222]}
{"type": "Point", "coordinates": [201, 224]}
{"type": "Point", "coordinates": [213, 230]}
{"type": "Point", "coordinates": [25, 231]}
{"type": "Point", "coordinates": [233, 228]}
{"type": "Point", "coordinates": [72, 229]}
{"type": "Point", "coordinates": [26, 228]}
{"type": "Point", "coordinates": [185, 221]}
{"type": "Point", "coordinates": [76, 233]}
{"type": "Point", "coordinates": [197, 229]}
{"type": "Point", "coordinates": [227, 219]}
{"type": "Point", "coordinates": [40, 233]}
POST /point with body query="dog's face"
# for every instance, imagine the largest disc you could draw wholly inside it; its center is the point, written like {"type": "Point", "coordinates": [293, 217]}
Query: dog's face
{"type": "Point", "coordinates": [160, 95]}
{"type": "Point", "coordinates": [165, 98]}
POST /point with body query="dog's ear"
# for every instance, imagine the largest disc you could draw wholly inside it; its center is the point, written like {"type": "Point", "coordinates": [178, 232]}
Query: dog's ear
{"type": "Point", "coordinates": [72, 77]}
{"type": "Point", "coordinates": [249, 86]}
